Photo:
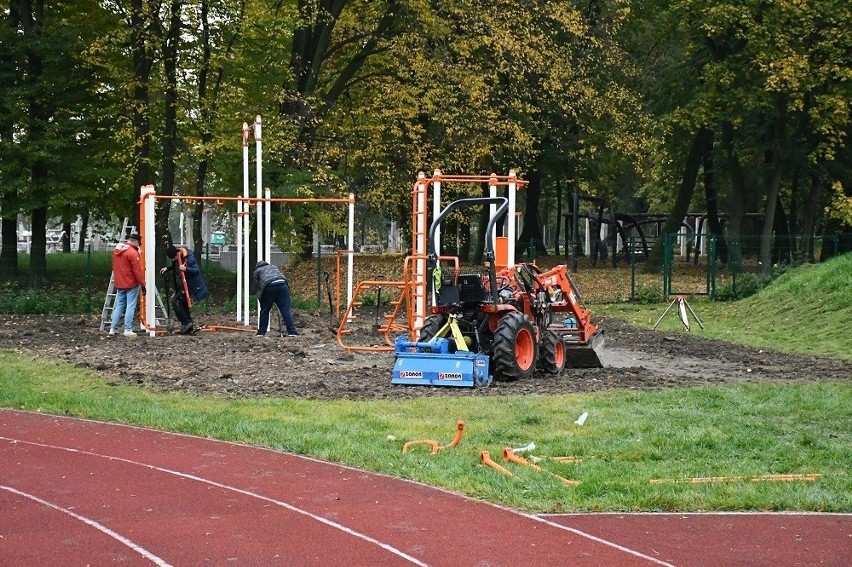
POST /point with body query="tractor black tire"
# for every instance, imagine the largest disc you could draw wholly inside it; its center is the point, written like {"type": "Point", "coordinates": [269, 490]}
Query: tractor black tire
{"type": "Point", "coordinates": [551, 353]}
{"type": "Point", "coordinates": [514, 350]}
{"type": "Point", "coordinates": [431, 326]}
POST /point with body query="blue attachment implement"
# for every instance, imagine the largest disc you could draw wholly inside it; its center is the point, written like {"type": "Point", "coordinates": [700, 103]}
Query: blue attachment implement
{"type": "Point", "coordinates": [430, 363]}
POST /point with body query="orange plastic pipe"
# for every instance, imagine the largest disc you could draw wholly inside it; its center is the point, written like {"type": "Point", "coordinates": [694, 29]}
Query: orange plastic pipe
{"type": "Point", "coordinates": [458, 436]}
{"type": "Point", "coordinates": [434, 444]}
{"type": "Point", "coordinates": [485, 459]}
{"type": "Point", "coordinates": [182, 275]}
{"type": "Point", "coordinates": [510, 456]}
{"type": "Point", "coordinates": [761, 478]}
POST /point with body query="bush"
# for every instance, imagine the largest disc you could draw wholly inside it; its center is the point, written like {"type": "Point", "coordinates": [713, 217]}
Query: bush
{"type": "Point", "coordinates": [647, 295]}
{"type": "Point", "coordinates": [46, 301]}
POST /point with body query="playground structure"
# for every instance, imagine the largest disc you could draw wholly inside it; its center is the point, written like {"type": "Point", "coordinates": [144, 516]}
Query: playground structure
{"type": "Point", "coordinates": [263, 214]}
{"type": "Point", "coordinates": [409, 309]}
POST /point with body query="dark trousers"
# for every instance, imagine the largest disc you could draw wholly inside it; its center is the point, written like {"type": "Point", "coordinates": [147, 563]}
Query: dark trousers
{"type": "Point", "coordinates": [279, 294]}
{"type": "Point", "coordinates": [182, 309]}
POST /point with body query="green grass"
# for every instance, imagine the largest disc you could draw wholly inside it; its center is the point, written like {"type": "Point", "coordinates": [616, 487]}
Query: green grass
{"type": "Point", "coordinates": [806, 310]}
{"type": "Point", "coordinates": [628, 439]}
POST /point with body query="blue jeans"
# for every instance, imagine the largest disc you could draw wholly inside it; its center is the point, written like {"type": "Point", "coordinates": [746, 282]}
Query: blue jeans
{"type": "Point", "coordinates": [279, 294]}
{"type": "Point", "coordinates": [125, 304]}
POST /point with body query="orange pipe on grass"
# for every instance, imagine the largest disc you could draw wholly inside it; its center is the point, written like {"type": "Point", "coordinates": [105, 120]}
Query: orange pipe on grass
{"type": "Point", "coordinates": [510, 456]}
{"type": "Point", "coordinates": [485, 459]}
{"type": "Point", "coordinates": [432, 443]}
{"type": "Point", "coordinates": [458, 436]}
{"type": "Point", "coordinates": [810, 477]}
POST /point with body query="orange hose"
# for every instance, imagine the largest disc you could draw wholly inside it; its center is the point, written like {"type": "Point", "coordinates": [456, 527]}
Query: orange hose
{"type": "Point", "coordinates": [485, 459]}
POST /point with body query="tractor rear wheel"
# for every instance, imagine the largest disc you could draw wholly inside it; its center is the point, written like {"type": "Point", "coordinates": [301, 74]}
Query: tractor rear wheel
{"type": "Point", "coordinates": [552, 353]}
{"type": "Point", "coordinates": [515, 350]}
{"type": "Point", "coordinates": [431, 326]}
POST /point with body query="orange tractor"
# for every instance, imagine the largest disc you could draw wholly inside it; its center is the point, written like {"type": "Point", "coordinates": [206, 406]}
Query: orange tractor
{"type": "Point", "coordinates": [498, 324]}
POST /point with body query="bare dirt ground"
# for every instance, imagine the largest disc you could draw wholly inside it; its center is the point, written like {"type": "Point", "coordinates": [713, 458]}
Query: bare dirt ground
{"type": "Point", "coordinates": [236, 364]}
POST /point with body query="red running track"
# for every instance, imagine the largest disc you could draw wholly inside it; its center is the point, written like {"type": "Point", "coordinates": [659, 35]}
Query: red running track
{"type": "Point", "coordinates": [89, 493]}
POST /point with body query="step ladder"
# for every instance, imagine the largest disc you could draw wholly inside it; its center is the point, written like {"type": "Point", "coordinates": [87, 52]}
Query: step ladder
{"type": "Point", "coordinates": [109, 300]}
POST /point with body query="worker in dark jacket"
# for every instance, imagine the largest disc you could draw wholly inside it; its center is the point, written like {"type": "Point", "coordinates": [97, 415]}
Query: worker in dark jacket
{"type": "Point", "coordinates": [184, 268]}
{"type": "Point", "coordinates": [272, 287]}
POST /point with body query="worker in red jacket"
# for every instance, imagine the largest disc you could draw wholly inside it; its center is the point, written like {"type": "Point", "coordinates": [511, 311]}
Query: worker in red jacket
{"type": "Point", "coordinates": [128, 279]}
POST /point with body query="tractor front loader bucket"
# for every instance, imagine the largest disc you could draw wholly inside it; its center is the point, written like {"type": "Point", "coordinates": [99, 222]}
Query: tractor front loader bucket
{"type": "Point", "coordinates": [431, 364]}
{"type": "Point", "coordinates": [584, 355]}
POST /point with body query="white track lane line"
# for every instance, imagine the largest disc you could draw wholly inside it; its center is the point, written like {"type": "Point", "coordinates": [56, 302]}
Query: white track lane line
{"type": "Point", "coordinates": [290, 507]}
{"type": "Point", "coordinates": [599, 540]}
{"type": "Point", "coordinates": [137, 548]}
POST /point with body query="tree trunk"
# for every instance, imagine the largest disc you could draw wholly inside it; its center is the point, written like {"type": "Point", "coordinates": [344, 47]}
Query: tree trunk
{"type": "Point", "coordinates": [142, 62]}
{"type": "Point", "coordinates": [38, 247]}
{"type": "Point", "coordinates": [775, 173]}
{"type": "Point", "coordinates": [9, 252]}
{"type": "Point", "coordinates": [702, 143]}
{"type": "Point", "coordinates": [66, 238]}
{"type": "Point", "coordinates": [736, 207]}
{"type": "Point", "coordinates": [531, 236]}
{"type": "Point", "coordinates": [84, 229]}
{"type": "Point", "coordinates": [558, 227]}
{"type": "Point", "coordinates": [714, 227]}
{"type": "Point", "coordinates": [812, 207]}
{"type": "Point", "coordinates": [782, 252]}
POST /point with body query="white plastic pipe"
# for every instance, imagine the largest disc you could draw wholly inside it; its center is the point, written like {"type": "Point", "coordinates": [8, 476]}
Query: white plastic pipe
{"type": "Point", "coordinates": [436, 208]}
{"type": "Point", "coordinates": [240, 249]}
{"type": "Point", "coordinates": [258, 138]}
{"type": "Point", "coordinates": [149, 245]}
{"type": "Point", "coordinates": [511, 220]}
{"type": "Point", "coordinates": [267, 236]}
{"type": "Point", "coordinates": [492, 211]}
{"type": "Point", "coordinates": [349, 263]}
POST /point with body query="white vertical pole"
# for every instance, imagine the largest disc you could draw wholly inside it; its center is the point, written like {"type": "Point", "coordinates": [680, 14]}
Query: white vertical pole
{"type": "Point", "coordinates": [588, 242]}
{"type": "Point", "coordinates": [510, 218]}
{"type": "Point", "coordinates": [267, 241]}
{"type": "Point", "coordinates": [258, 138]}
{"type": "Point", "coordinates": [240, 249]}
{"type": "Point", "coordinates": [436, 209]}
{"type": "Point", "coordinates": [492, 210]}
{"type": "Point", "coordinates": [149, 245]}
{"type": "Point", "coordinates": [349, 263]}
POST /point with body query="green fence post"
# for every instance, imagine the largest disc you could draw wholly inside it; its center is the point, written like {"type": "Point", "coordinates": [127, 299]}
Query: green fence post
{"type": "Point", "coordinates": [667, 266]}
{"type": "Point", "coordinates": [632, 251]}
{"type": "Point", "coordinates": [89, 277]}
{"type": "Point", "coordinates": [711, 256]}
